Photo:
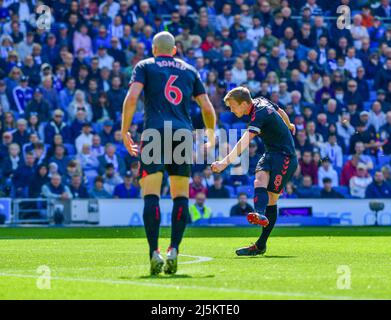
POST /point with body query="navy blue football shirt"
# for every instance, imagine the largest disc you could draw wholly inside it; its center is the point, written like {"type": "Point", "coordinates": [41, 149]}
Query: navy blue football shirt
{"type": "Point", "coordinates": [169, 85]}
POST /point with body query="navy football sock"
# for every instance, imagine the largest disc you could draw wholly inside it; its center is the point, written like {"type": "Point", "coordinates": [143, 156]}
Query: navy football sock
{"type": "Point", "coordinates": [261, 198]}
{"type": "Point", "coordinates": [179, 218]}
{"type": "Point", "coordinates": [151, 216]}
{"type": "Point", "coordinates": [271, 214]}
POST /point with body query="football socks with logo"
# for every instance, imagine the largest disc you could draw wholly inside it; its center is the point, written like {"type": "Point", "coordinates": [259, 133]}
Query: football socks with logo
{"type": "Point", "coordinates": [271, 214]}
{"type": "Point", "coordinates": [179, 218]}
{"type": "Point", "coordinates": [261, 198]}
{"type": "Point", "coordinates": [151, 216]}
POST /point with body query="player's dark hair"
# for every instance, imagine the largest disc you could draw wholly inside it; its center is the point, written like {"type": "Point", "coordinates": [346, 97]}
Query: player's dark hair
{"type": "Point", "coordinates": [239, 94]}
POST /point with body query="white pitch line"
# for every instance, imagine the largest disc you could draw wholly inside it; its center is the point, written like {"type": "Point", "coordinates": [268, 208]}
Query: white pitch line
{"type": "Point", "coordinates": [177, 287]}
{"type": "Point", "coordinates": [199, 259]}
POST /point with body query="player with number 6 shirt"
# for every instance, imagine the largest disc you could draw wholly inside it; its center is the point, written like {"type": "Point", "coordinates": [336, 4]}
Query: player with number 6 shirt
{"type": "Point", "coordinates": [169, 85]}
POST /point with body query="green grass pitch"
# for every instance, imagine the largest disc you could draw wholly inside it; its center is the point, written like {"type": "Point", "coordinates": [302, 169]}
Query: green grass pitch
{"type": "Point", "coordinates": [112, 263]}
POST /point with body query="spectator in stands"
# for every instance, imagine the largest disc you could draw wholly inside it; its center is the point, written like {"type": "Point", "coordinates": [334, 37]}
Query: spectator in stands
{"type": "Point", "coordinates": [88, 161]}
{"type": "Point", "coordinates": [21, 135]}
{"type": "Point", "coordinates": [110, 156]}
{"type": "Point", "coordinates": [359, 182]}
{"type": "Point", "coordinates": [23, 176]}
{"type": "Point", "coordinates": [67, 94]}
{"type": "Point", "coordinates": [107, 134]}
{"type": "Point", "coordinates": [197, 186]}
{"type": "Point", "coordinates": [326, 170]}
{"type": "Point", "coordinates": [327, 191]}
{"type": "Point", "coordinates": [378, 189]}
{"type": "Point", "coordinates": [386, 170]}
{"type": "Point", "coordinates": [39, 106]}
{"type": "Point", "coordinates": [126, 190]}
{"type": "Point", "coordinates": [309, 167]}
{"type": "Point", "coordinates": [307, 190]}
{"type": "Point", "coordinates": [60, 159]}
{"type": "Point", "coordinates": [377, 118]}
{"type": "Point", "coordinates": [385, 134]}
{"type": "Point", "coordinates": [242, 208]}
{"type": "Point", "coordinates": [208, 178]}
{"type": "Point", "coordinates": [56, 126]}
{"type": "Point", "coordinates": [333, 151]}
{"type": "Point", "coordinates": [217, 190]}
{"type": "Point", "coordinates": [98, 191]}
{"type": "Point", "coordinates": [359, 149]}
{"type": "Point", "coordinates": [344, 128]}
{"type": "Point", "coordinates": [39, 179]}
{"type": "Point", "coordinates": [77, 189]}
{"type": "Point", "coordinates": [56, 190]}
{"type": "Point", "coordinates": [73, 168]}
{"type": "Point", "coordinates": [289, 191]}
{"type": "Point", "coordinates": [111, 178]}
{"type": "Point", "coordinates": [96, 148]}
{"type": "Point", "coordinates": [79, 103]}
{"type": "Point", "coordinates": [85, 137]}
{"type": "Point", "coordinates": [4, 145]}
{"type": "Point", "coordinates": [12, 162]}
{"type": "Point", "coordinates": [198, 210]}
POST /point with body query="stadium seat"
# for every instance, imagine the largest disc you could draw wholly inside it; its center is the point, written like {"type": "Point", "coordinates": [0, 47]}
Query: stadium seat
{"type": "Point", "coordinates": [367, 105]}
{"type": "Point", "coordinates": [138, 118]}
{"type": "Point", "coordinates": [384, 160]}
{"type": "Point", "coordinates": [372, 96]}
{"type": "Point", "coordinates": [70, 149]}
{"type": "Point", "coordinates": [231, 190]}
{"type": "Point", "coordinates": [249, 190]}
{"type": "Point", "coordinates": [343, 190]}
{"type": "Point", "coordinates": [226, 117]}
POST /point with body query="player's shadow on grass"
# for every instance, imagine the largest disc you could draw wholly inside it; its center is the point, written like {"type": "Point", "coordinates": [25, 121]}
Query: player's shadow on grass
{"type": "Point", "coordinates": [267, 257]}
{"type": "Point", "coordinates": [173, 276]}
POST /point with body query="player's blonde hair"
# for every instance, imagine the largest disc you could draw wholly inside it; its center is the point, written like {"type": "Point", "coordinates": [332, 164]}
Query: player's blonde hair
{"type": "Point", "coordinates": [239, 94]}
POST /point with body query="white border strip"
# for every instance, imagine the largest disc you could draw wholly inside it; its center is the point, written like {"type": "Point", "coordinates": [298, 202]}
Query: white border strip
{"type": "Point", "coordinates": [213, 289]}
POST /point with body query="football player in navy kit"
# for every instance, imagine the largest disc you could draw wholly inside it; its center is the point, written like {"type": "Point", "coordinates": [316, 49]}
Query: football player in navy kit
{"type": "Point", "coordinates": [276, 166]}
{"type": "Point", "coordinates": [169, 85]}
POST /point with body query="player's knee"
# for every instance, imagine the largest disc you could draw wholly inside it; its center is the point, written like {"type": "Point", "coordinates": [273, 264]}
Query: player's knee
{"type": "Point", "coordinates": [260, 182]}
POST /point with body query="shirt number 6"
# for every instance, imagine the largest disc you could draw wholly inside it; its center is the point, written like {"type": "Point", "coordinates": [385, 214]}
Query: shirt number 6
{"type": "Point", "coordinates": [172, 93]}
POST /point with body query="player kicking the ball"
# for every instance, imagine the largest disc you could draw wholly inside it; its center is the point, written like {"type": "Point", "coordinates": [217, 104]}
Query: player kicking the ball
{"type": "Point", "coordinates": [169, 85]}
{"type": "Point", "coordinates": [275, 167]}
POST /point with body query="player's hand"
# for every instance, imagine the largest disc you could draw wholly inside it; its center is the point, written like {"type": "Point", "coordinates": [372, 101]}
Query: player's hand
{"type": "Point", "coordinates": [129, 144]}
{"type": "Point", "coordinates": [218, 166]}
{"type": "Point", "coordinates": [292, 128]}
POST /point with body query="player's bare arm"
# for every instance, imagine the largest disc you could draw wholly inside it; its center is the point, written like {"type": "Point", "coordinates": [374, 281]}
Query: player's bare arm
{"type": "Point", "coordinates": [128, 110]}
{"type": "Point", "coordinates": [288, 123]}
{"type": "Point", "coordinates": [241, 146]}
{"type": "Point", "coordinates": [209, 117]}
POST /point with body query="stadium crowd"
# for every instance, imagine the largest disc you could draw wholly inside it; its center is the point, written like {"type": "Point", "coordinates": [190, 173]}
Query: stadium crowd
{"type": "Point", "coordinates": [61, 91]}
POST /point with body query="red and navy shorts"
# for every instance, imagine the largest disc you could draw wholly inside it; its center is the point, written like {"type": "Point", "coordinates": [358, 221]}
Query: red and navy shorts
{"type": "Point", "coordinates": [157, 162]}
{"type": "Point", "coordinates": [281, 168]}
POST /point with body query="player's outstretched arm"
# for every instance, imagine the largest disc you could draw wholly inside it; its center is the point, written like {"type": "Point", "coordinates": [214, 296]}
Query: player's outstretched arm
{"type": "Point", "coordinates": [128, 110]}
{"type": "Point", "coordinates": [208, 115]}
{"type": "Point", "coordinates": [288, 123]}
{"type": "Point", "coordinates": [242, 145]}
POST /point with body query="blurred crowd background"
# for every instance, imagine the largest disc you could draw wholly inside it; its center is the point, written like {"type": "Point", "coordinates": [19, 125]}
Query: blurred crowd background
{"type": "Point", "coordinates": [61, 91]}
